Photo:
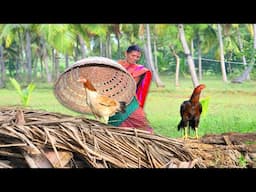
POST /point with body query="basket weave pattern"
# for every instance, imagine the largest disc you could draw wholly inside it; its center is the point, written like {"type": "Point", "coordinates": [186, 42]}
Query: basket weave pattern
{"type": "Point", "coordinates": [108, 77]}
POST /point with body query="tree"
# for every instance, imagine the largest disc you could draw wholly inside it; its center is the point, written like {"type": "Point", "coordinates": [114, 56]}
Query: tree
{"type": "Point", "coordinates": [149, 58]}
{"type": "Point", "coordinates": [177, 65]}
{"type": "Point", "coordinates": [188, 55]}
{"type": "Point", "coordinates": [62, 40]}
{"type": "Point", "coordinates": [28, 54]}
{"type": "Point", "coordinates": [222, 60]}
{"type": "Point", "coordinates": [2, 67]}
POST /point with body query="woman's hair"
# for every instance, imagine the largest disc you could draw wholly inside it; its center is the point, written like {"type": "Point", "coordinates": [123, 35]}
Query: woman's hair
{"type": "Point", "coordinates": [133, 48]}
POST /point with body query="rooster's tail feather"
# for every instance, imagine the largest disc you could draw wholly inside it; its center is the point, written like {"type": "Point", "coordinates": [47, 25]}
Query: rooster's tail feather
{"type": "Point", "coordinates": [180, 125]}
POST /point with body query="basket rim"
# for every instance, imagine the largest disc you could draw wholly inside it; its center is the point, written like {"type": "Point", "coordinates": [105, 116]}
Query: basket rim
{"type": "Point", "coordinates": [97, 60]}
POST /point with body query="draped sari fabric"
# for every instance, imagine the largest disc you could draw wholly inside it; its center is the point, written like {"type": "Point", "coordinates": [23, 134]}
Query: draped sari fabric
{"type": "Point", "coordinates": [135, 116]}
{"type": "Point", "coordinates": [142, 77]}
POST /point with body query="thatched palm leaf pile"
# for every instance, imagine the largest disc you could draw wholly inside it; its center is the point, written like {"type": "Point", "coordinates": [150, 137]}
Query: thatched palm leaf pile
{"type": "Point", "coordinates": [34, 138]}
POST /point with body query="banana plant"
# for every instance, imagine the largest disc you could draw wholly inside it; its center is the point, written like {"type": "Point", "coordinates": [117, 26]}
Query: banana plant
{"type": "Point", "coordinates": [25, 94]}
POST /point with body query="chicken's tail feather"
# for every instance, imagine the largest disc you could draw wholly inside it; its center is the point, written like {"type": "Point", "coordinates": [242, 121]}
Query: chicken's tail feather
{"type": "Point", "coordinates": [122, 106]}
{"type": "Point", "coordinates": [180, 125]}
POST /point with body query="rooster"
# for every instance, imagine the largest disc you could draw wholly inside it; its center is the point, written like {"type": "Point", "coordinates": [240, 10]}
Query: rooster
{"type": "Point", "coordinates": [101, 106]}
{"type": "Point", "coordinates": [190, 112]}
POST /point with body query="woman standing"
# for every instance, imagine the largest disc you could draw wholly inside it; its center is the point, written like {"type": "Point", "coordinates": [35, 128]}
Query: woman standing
{"type": "Point", "coordinates": [135, 115]}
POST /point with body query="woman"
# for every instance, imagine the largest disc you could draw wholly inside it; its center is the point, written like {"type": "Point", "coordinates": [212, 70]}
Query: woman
{"type": "Point", "coordinates": [135, 115]}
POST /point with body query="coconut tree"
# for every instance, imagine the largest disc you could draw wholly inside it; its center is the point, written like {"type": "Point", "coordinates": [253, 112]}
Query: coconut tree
{"type": "Point", "coordinates": [188, 55]}
{"type": "Point", "coordinates": [130, 34]}
{"type": "Point", "coordinates": [149, 57]}
{"type": "Point", "coordinates": [2, 67]}
{"type": "Point", "coordinates": [177, 71]}
{"type": "Point", "coordinates": [25, 29]}
{"type": "Point", "coordinates": [166, 36]}
{"type": "Point", "coordinates": [12, 38]}
{"type": "Point", "coordinates": [23, 37]}
{"type": "Point", "coordinates": [62, 41]}
{"type": "Point", "coordinates": [89, 33]}
{"type": "Point", "coordinates": [240, 43]}
{"type": "Point", "coordinates": [28, 51]}
{"type": "Point", "coordinates": [45, 58]}
{"type": "Point", "coordinates": [222, 59]}
{"type": "Point", "coordinates": [117, 32]}
{"type": "Point", "coordinates": [201, 35]}
{"type": "Point", "coordinates": [249, 41]}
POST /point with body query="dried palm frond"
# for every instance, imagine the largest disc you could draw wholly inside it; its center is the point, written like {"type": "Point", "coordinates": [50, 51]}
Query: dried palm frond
{"type": "Point", "coordinates": [91, 142]}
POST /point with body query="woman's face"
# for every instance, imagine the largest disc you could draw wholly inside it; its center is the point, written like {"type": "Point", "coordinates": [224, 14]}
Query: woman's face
{"type": "Point", "coordinates": [133, 56]}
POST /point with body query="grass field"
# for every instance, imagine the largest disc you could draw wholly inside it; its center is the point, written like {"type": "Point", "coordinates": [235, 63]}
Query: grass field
{"type": "Point", "coordinates": [232, 107]}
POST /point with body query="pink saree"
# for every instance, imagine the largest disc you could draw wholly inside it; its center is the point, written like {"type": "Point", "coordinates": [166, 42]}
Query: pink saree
{"type": "Point", "coordinates": [143, 78]}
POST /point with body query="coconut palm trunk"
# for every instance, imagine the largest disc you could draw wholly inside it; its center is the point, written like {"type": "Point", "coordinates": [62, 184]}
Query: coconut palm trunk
{"type": "Point", "coordinates": [177, 65]}
{"type": "Point", "coordinates": [222, 60]}
{"type": "Point", "coordinates": [199, 61]}
{"type": "Point", "coordinates": [45, 61]}
{"type": "Point", "coordinates": [28, 56]}
{"type": "Point", "coordinates": [188, 55]}
{"type": "Point", "coordinates": [149, 58]}
{"type": "Point", "coordinates": [2, 79]}
{"type": "Point", "coordinates": [82, 45]}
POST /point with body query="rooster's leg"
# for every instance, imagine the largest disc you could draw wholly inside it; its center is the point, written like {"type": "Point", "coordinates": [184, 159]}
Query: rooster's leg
{"type": "Point", "coordinates": [185, 136]}
{"type": "Point", "coordinates": [196, 133]}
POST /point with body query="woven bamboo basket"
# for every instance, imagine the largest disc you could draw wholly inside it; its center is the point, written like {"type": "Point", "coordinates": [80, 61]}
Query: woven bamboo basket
{"type": "Point", "coordinates": [108, 77]}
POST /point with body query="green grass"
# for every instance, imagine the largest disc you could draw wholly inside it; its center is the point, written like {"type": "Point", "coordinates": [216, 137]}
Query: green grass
{"type": "Point", "coordinates": [43, 99]}
{"type": "Point", "coordinates": [231, 108]}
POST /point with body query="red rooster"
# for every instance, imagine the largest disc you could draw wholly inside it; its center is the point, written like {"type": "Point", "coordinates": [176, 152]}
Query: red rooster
{"type": "Point", "coordinates": [101, 105]}
{"type": "Point", "coordinates": [190, 112]}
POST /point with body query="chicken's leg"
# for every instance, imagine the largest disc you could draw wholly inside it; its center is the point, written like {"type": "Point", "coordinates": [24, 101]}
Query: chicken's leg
{"type": "Point", "coordinates": [196, 133]}
{"type": "Point", "coordinates": [106, 118]}
{"type": "Point", "coordinates": [185, 136]}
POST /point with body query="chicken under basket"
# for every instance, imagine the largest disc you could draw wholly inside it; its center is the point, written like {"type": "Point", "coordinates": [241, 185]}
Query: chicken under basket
{"type": "Point", "coordinates": [108, 77]}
